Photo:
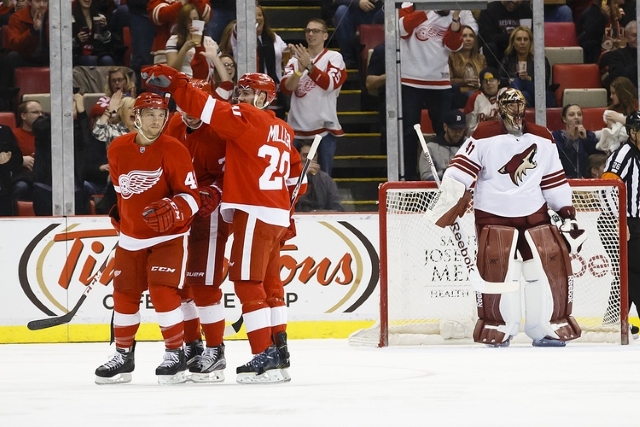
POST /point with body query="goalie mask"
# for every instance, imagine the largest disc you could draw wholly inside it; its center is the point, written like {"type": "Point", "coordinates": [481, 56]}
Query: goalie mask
{"type": "Point", "coordinates": [263, 87]}
{"type": "Point", "coordinates": [511, 105]}
{"type": "Point", "coordinates": [149, 101]}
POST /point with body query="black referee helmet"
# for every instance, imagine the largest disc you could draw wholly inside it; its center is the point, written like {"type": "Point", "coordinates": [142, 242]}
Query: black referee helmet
{"type": "Point", "coordinates": [633, 121]}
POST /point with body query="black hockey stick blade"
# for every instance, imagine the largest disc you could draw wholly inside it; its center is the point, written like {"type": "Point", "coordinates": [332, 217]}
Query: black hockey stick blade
{"type": "Point", "coordinates": [234, 328]}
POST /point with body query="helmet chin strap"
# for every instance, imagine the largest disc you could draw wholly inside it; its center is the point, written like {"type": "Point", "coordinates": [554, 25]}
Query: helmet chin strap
{"type": "Point", "coordinates": [138, 126]}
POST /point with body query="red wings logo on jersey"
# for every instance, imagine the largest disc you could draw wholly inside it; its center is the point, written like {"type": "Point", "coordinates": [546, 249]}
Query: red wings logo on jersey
{"type": "Point", "coordinates": [517, 167]}
{"type": "Point", "coordinates": [425, 32]}
{"type": "Point", "coordinates": [136, 182]}
{"type": "Point", "coordinates": [305, 86]}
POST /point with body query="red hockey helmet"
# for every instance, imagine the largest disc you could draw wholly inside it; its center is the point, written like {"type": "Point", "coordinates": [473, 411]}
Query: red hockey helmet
{"type": "Point", "coordinates": [150, 100]}
{"type": "Point", "coordinates": [259, 82]}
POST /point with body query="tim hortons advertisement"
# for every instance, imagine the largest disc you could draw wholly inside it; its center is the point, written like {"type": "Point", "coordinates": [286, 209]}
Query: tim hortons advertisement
{"type": "Point", "coordinates": [330, 271]}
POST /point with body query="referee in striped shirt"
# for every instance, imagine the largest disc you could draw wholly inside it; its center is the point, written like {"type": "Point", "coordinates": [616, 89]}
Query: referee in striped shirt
{"type": "Point", "coordinates": [624, 164]}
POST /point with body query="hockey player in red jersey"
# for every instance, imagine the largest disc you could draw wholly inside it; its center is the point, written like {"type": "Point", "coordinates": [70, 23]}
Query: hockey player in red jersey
{"type": "Point", "coordinates": [157, 196]}
{"type": "Point", "coordinates": [209, 233]}
{"type": "Point", "coordinates": [518, 177]}
{"type": "Point", "coordinates": [262, 168]}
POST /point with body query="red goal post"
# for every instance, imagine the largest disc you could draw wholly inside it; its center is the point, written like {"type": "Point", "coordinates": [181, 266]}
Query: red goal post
{"type": "Point", "coordinates": [425, 295]}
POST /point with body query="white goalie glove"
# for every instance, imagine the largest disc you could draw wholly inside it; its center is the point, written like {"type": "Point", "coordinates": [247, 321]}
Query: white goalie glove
{"type": "Point", "coordinates": [450, 203]}
{"type": "Point", "coordinates": [568, 227]}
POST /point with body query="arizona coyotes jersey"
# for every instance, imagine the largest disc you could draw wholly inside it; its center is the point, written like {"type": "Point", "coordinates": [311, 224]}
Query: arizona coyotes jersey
{"type": "Point", "coordinates": [314, 102]}
{"type": "Point", "coordinates": [207, 150]}
{"type": "Point", "coordinates": [515, 175]}
{"type": "Point", "coordinates": [261, 167]}
{"type": "Point", "coordinates": [143, 175]}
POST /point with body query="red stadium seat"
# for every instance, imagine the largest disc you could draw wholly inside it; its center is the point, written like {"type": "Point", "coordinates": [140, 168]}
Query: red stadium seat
{"type": "Point", "coordinates": [558, 34]}
{"type": "Point", "coordinates": [592, 118]}
{"type": "Point", "coordinates": [8, 118]}
{"type": "Point", "coordinates": [425, 122]}
{"type": "Point", "coordinates": [32, 80]}
{"type": "Point", "coordinates": [553, 118]}
{"type": "Point", "coordinates": [126, 40]}
{"type": "Point", "coordinates": [575, 76]}
{"type": "Point", "coordinates": [371, 35]}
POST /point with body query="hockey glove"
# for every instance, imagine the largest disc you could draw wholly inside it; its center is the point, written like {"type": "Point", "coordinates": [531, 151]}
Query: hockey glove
{"type": "Point", "coordinates": [162, 76]}
{"type": "Point", "coordinates": [210, 197]}
{"type": "Point", "coordinates": [164, 214]}
{"type": "Point", "coordinates": [114, 215]}
{"type": "Point", "coordinates": [566, 222]}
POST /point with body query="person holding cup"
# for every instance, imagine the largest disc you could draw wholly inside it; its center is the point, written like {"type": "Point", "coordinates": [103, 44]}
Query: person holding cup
{"type": "Point", "coordinates": [92, 42]}
{"type": "Point", "coordinates": [187, 41]}
{"type": "Point", "coordinates": [516, 70]}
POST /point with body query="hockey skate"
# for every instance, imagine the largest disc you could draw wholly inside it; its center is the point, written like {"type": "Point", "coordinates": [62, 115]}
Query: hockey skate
{"type": "Point", "coordinates": [505, 343]}
{"type": "Point", "coordinates": [210, 366]}
{"type": "Point", "coordinates": [547, 342]}
{"type": "Point", "coordinates": [280, 340]}
{"type": "Point", "coordinates": [173, 368]}
{"type": "Point", "coordinates": [263, 368]}
{"type": "Point", "coordinates": [118, 369]}
{"type": "Point", "coordinates": [635, 331]}
{"type": "Point", "coordinates": [192, 352]}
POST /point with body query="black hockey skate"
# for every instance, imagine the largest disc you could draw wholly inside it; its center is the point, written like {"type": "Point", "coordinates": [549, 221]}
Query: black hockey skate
{"type": "Point", "coordinates": [263, 368]}
{"type": "Point", "coordinates": [548, 342]}
{"type": "Point", "coordinates": [192, 352]}
{"type": "Point", "coordinates": [173, 368]}
{"type": "Point", "coordinates": [118, 369]}
{"type": "Point", "coordinates": [210, 366]}
{"type": "Point", "coordinates": [280, 340]}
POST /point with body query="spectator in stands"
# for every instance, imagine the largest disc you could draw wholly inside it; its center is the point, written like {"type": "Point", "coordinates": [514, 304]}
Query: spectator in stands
{"type": "Point", "coordinates": [118, 80]}
{"type": "Point", "coordinates": [28, 112]}
{"type": "Point", "coordinates": [222, 12]}
{"type": "Point", "coordinates": [92, 42]}
{"type": "Point", "coordinates": [557, 13]}
{"type": "Point", "coordinates": [622, 62]}
{"type": "Point", "coordinates": [10, 163]}
{"type": "Point", "coordinates": [375, 83]}
{"type": "Point", "coordinates": [225, 38]}
{"type": "Point", "coordinates": [425, 71]}
{"type": "Point", "coordinates": [183, 47]}
{"type": "Point", "coordinates": [348, 16]}
{"type": "Point", "coordinates": [8, 7]}
{"type": "Point", "coordinates": [574, 142]}
{"type": "Point", "coordinates": [27, 41]}
{"type": "Point", "coordinates": [143, 32]}
{"type": "Point", "coordinates": [516, 69]}
{"type": "Point", "coordinates": [496, 23]}
{"type": "Point", "coordinates": [313, 77]}
{"type": "Point", "coordinates": [42, 191]}
{"type": "Point", "coordinates": [270, 49]}
{"type": "Point", "coordinates": [624, 99]}
{"type": "Point", "coordinates": [322, 191]}
{"type": "Point", "coordinates": [590, 31]}
{"type": "Point", "coordinates": [164, 14]}
{"type": "Point", "coordinates": [223, 78]}
{"type": "Point", "coordinates": [96, 166]}
{"type": "Point", "coordinates": [464, 67]}
{"type": "Point", "coordinates": [595, 165]}
{"type": "Point", "coordinates": [116, 119]}
{"type": "Point", "coordinates": [443, 148]}
{"type": "Point", "coordinates": [483, 104]}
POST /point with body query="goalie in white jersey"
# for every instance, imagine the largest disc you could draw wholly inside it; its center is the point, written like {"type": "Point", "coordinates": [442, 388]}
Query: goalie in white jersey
{"type": "Point", "coordinates": [518, 177]}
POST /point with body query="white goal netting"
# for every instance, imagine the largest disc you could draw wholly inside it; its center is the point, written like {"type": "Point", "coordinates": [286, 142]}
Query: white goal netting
{"type": "Point", "coordinates": [426, 297]}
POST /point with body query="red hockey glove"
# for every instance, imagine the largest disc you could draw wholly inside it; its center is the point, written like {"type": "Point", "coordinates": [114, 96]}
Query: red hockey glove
{"type": "Point", "coordinates": [162, 76]}
{"type": "Point", "coordinates": [163, 214]}
{"type": "Point", "coordinates": [210, 197]}
{"type": "Point", "coordinates": [290, 233]}
{"type": "Point", "coordinates": [566, 222]}
{"type": "Point", "coordinates": [114, 215]}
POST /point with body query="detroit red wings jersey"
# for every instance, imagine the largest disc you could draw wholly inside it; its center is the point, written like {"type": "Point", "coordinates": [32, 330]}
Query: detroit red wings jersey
{"type": "Point", "coordinates": [207, 150]}
{"type": "Point", "coordinates": [481, 108]}
{"type": "Point", "coordinates": [515, 175]}
{"type": "Point", "coordinates": [142, 175]}
{"type": "Point", "coordinates": [261, 167]}
{"type": "Point", "coordinates": [314, 102]}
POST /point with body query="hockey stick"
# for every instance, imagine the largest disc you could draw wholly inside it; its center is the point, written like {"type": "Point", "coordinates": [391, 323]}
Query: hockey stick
{"type": "Point", "coordinates": [49, 322]}
{"type": "Point", "coordinates": [305, 168]}
{"type": "Point", "coordinates": [478, 283]}
{"type": "Point", "coordinates": [234, 327]}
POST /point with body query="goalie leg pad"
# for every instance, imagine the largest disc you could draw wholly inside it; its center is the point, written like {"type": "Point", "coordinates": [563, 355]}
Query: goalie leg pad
{"type": "Point", "coordinates": [499, 315]}
{"type": "Point", "coordinates": [449, 203]}
{"type": "Point", "coordinates": [549, 288]}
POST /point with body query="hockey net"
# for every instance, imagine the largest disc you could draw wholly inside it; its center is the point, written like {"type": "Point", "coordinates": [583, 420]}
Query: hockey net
{"type": "Point", "coordinates": [425, 295]}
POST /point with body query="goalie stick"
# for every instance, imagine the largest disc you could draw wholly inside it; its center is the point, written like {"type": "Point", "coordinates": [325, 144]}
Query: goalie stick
{"type": "Point", "coordinates": [49, 322]}
{"type": "Point", "coordinates": [310, 156]}
{"type": "Point", "coordinates": [235, 327]}
{"type": "Point", "coordinates": [478, 283]}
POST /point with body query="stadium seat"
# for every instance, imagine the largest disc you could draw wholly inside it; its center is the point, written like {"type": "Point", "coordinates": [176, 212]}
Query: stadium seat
{"type": "Point", "coordinates": [32, 80]}
{"type": "Point", "coordinates": [592, 97]}
{"type": "Point", "coordinates": [8, 118]}
{"type": "Point", "coordinates": [90, 99]}
{"type": "Point", "coordinates": [126, 40]}
{"type": "Point", "coordinates": [553, 118]}
{"type": "Point", "coordinates": [557, 34]}
{"type": "Point", "coordinates": [371, 35]}
{"type": "Point", "coordinates": [592, 118]}
{"type": "Point", "coordinates": [575, 76]}
{"type": "Point", "coordinates": [425, 123]}
{"type": "Point", "coordinates": [564, 55]}
{"type": "Point", "coordinates": [43, 98]}
{"type": "Point", "coordinates": [24, 208]}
